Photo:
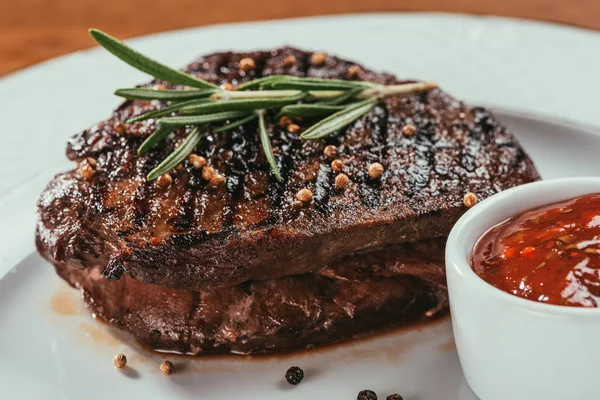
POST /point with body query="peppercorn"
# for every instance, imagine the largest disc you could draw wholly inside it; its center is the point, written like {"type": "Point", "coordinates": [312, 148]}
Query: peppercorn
{"type": "Point", "coordinates": [208, 172]}
{"type": "Point", "coordinates": [164, 180]}
{"type": "Point", "coordinates": [304, 195]}
{"type": "Point", "coordinates": [354, 71]}
{"type": "Point", "coordinates": [330, 151]}
{"type": "Point", "coordinates": [166, 367]}
{"type": "Point", "coordinates": [409, 129]}
{"type": "Point", "coordinates": [470, 199]}
{"type": "Point", "coordinates": [247, 64]}
{"type": "Point", "coordinates": [87, 169]}
{"type": "Point", "coordinates": [197, 161]}
{"type": "Point", "coordinates": [284, 121]}
{"type": "Point", "coordinates": [120, 361]}
{"type": "Point", "coordinates": [289, 61]}
{"type": "Point", "coordinates": [91, 161]}
{"type": "Point", "coordinates": [366, 395]}
{"type": "Point", "coordinates": [293, 128]}
{"type": "Point", "coordinates": [375, 170]}
{"type": "Point", "coordinates": [337, 165]}
{"type": "Point", "coordinates": [294, 375]}
{"type": "Point", "coordinates": [217, 179]}
{"type": "Point", "coordinates": [318, 58]}
{"type": "Point", "coordinates": [120, 127]}
{"type": "Point", "coordinates": [394, 396]}
{"type": "Point", "coordinates": [341, 181]}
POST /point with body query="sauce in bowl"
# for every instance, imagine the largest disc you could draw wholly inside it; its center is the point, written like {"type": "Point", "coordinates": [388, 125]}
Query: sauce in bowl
{"type": "Point", "coordinates": [550, 254]}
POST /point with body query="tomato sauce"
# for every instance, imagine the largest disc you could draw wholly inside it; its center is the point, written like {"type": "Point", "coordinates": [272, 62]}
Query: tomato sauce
{"type": "Point", "coordinates": [550, 254]}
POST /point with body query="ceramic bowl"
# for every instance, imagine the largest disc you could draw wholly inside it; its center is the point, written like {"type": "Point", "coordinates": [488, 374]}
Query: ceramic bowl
{"type": "Point", "coordinates": [510, 347]}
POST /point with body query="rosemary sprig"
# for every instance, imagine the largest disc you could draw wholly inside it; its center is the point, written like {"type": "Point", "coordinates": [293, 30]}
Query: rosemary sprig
{"type": "Point", "coordinates": [339, 120]}
{"type": "Point", "coordinates": [309, 110]}
{"type": "Point", "coordinates": [167, 110]}
{"type": "Point", "coordinates": [155, 137]}
{"type": "Point", "coordinates": [202, 119]}
{"type": "Point", "coordinates": [305, 84]}
{"type": "Point", "coordinates": [240, 105]}
{"type": "Point", "coordinates": [177, 156]}
{"type": "Point", "coordinates": [266, 145]}
{"type": "Point", "coordinates": [342, 98]}
{"type": "Point", "coordinates": [146, 64]}
{"type": "Point", "coordinates": [340, 102]}
{"type": "Point", "coordinates": [165, 95]}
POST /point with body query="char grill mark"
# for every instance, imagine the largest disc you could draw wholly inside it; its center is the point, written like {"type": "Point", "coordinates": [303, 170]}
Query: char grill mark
{"type": "Point", "coordinates": [184, 213]}
{"type": "Point", "coordinates": [274, 192]}
{"type": "Point", "coordinates": [370, 188]}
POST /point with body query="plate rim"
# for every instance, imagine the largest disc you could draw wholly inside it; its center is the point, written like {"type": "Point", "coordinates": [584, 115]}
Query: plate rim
{"type": "Point", "coordinates": [336, 16]}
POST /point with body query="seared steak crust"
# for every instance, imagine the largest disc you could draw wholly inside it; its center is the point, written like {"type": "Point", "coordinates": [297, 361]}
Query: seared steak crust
{"type": "Point", "coordinates": [193, 236]}
{"type": "Point", "coordinates": [357, 294]}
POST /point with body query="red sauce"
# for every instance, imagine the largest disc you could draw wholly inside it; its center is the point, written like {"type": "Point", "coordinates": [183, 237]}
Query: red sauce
{"type": "Point", "coordinates": [550, 254]}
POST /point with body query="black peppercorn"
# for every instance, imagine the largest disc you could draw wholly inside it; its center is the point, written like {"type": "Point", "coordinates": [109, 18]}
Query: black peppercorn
{"type": "Point", "coordinates": [394, 396]}
{"type": "Point", "coordinates": [294, 375]}
{"type": "Point", "coordinates": [366, 395]}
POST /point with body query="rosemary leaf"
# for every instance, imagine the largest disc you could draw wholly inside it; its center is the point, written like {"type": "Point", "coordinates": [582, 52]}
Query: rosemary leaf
{"type": "Point", "coordinates": [240, 105]}
{"type": "Point", "coordinates": [151, 94]}
{"type": "Point", "coordinates": [167, 110]}
{"type": "Point", "coordinates": [202, 119]}
{"type": "Point", "coordinates": [177, 156]}
{"type": "Point", "coordinates": [145, 64]}
{"type": "Point", "coordinates": [257, 94]}
{"type": "Point", "coordinates": [235, 124]}
{"type": "Point", "coordinates": [266, 145]}
{"type": "Point", "coordinates": [256, 83]}
{"type": "Point", "coordinates": [308, 110]}
{"type": "Point", "coordinates": [314, 84]}
{"type": "Point", "coordinates": [339, 120]}
{"type": "Point", "coordinates": [342, 98]}
{"type": "Point", "coordinates": [155, 137]}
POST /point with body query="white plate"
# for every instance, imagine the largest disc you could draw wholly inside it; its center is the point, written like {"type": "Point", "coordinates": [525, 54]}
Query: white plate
{"type": "Point", "coordinates": [49, 346]}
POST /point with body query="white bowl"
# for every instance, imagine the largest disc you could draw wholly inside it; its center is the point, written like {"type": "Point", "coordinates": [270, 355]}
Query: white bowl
{"type": "Point", "coordinates": [511, 348]}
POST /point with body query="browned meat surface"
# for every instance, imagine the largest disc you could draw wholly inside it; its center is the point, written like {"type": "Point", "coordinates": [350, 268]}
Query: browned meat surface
{"type": "Point", "coordinates": [192, 236]}
{"type": "Point", "coordinates": [357, 294]}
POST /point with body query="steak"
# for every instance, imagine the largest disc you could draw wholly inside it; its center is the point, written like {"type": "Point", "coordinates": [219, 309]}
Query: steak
{"type": "Point", "coordinates": [357, 294]}
{"type": "Point", "coordinates": [193, 236]}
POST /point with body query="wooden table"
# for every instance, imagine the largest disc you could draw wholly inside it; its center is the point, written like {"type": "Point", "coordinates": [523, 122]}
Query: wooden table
{"type": "Point", "coordinates": [34, 30]}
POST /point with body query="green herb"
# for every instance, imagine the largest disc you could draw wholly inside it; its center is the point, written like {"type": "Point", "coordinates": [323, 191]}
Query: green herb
{"type": "Point", "coordinates": [340, 102]}
{"type": "Point", "coordinates": [342, 98]}
{"type": "Point", "coordinates": [161, 112]}
{"type": "Point", "coordinates": [266, 145]}
{"type": "Point", "coordinates": [257, 83]}
{"type": "Point", "coordinates": [314, 84]}
{"type": "Point", "coordinates": [240, 105]}
{"type": "Point", "coordinates": [152, 94]}
{"type": "Point", "coordinates": [202, 119]}
{"type": "Point", "coordinates": [156, 136]}
{"type": "Point", "coordinates": [146, 64]}
{"type": "Point", "coordinates": [177, 156]}
{"type": "Point", "coordinates": [339, 120]}
{"type": "Point", "coordinates": [308, 110]}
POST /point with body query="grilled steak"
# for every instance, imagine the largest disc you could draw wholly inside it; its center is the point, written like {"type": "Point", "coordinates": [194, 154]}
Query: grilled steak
{"type": "Point", "coordinates": [192, 236]}
{"type": "Point", "coordinates": [357, 294]}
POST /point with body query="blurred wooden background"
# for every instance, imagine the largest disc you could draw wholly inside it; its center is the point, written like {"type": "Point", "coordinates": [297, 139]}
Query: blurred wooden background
{"type": "Point", "coordinates": [34, 30]}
